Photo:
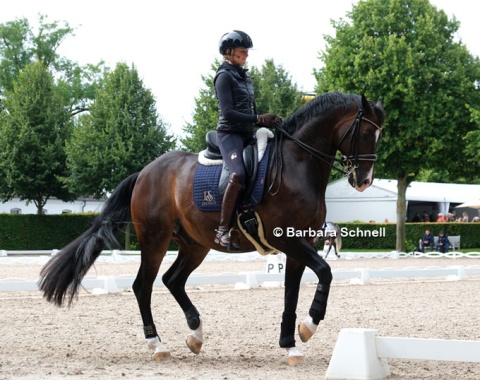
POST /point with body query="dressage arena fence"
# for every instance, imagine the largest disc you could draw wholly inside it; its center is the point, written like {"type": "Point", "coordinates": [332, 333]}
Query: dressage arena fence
{"type": "Point", "coordinates": [362, 354]}
{"type": "Point", "coordinates": [272, 277]}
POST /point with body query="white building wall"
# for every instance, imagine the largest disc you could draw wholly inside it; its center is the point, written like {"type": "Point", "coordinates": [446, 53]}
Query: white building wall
{"type": "Point", "coordinates": [365, 210]}
{"type": "Point", "coordinates": [53, 206]}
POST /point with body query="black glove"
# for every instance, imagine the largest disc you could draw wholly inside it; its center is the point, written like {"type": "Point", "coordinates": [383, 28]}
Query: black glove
{"type": "Point", "coordinates": [267, 119]}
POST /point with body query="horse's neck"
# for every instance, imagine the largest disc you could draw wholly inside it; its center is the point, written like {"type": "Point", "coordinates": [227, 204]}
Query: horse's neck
{"type": "Point", "coordinates": [299, 162]}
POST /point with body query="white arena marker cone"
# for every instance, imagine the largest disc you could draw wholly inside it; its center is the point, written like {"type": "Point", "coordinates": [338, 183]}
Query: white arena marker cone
{"type": "Point", "coordinates": [355, 357]}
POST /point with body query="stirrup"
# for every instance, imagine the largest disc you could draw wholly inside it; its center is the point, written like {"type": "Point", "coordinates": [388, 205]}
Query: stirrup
{"type": "Point", "coordinates": [224, 238]}
{"type": "Point", "coordinates": [231, 245]}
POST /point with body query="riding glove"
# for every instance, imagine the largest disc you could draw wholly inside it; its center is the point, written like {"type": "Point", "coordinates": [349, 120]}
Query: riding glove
{"type": "Point", "coordinates": [267, 119]}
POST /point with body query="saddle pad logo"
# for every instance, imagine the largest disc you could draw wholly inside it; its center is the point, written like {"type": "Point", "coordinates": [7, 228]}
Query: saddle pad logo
{"type": "Point", "coordinates": [208, 198]}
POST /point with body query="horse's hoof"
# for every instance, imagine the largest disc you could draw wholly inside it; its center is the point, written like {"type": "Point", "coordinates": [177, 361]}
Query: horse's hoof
{"type": "Point", "coordinates": [295, 360]}
{"type": "Point", "coordinates": [162, 355]}
{"type": "Point", "coordinates": [294, 357]}
{"type": "Point", "coordinates": [304, 332]}
{"type": "Point", "coordinates": [194, 344]}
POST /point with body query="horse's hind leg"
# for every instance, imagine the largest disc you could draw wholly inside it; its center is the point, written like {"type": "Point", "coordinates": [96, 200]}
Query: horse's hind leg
{"type": "Point", "coordinates": [175, 278]}
{"type": "Point", "coordinates": [153, 252]}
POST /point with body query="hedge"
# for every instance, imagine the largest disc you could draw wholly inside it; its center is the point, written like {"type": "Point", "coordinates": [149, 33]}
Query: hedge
{"type": "Point", "coordinates": [42, 232]}
{"type": "Point", "coordinates": [469, 234]}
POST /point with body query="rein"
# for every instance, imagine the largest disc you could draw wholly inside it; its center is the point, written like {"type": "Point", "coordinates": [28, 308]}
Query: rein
{"type": "Point", "coordinates": [349, 163]}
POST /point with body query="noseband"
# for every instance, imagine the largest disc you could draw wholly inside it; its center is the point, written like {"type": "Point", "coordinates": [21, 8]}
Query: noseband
{"type": "Point", "coordinates": [349, 163]}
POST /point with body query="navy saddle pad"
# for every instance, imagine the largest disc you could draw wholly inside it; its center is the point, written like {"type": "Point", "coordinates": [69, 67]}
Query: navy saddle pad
{"type": "Point", "coordinates": [207, 196]}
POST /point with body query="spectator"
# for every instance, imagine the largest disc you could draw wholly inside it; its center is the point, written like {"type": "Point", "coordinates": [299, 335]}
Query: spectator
{"type": "Point", "coordinates": [416, 218]}
{"type": "Point", "coordinates": [476, 219]}
{"type": "Point", "coordinates": [426, 217]}
{"type": "Point", "coordinates": [465, 217]}
{"type": "Point", "coordinates": [331, 233]}
{"type": "Point", "coordinates": [427, 241]}
{"type": "Point", "coordinates": [443, 243]}
{"type": "Point", "coordinates": [441, 218]}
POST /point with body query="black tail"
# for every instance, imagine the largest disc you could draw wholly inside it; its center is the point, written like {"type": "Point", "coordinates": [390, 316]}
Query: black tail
{"type": "Point", "coordinates": [62, 275]}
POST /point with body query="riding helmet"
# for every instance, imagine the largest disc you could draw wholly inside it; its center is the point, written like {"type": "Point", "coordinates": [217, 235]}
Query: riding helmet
{"type": "Point", "coordinates": [234, 39]}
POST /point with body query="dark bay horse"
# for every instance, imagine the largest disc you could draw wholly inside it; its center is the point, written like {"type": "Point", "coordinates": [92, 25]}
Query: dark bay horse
{"type": "Point", "coordinates": [158, 200]}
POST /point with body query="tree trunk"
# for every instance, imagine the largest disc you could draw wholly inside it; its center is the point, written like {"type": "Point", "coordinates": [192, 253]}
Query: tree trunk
{"type": "Point", "coordinates": [401, 212]}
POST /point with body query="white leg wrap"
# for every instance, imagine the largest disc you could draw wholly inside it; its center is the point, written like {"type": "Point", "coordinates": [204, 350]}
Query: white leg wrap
{"type": "Point", "coordinates": [198, 332]}
{"type": "Point", "coordinates": [155, 345]}
{"type": "Point", "coordinates": [293, 351]}
{"type": "Point", "coordinates": [310, 325]}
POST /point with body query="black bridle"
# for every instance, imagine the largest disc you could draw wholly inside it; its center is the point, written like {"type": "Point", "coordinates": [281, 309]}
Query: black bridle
{"type": "Point", "coordinates": [349, 163]}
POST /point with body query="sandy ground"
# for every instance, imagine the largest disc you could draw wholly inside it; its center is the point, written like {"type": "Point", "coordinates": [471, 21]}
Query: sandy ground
{"type": "Point", "coordinates": [101, 337]}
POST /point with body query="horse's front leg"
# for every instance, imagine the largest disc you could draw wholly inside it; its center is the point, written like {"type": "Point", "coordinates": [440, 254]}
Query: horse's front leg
{"type": "Point", "coordinates": [317, 311]}
{"type": "Point", "coordinates": [300, 254]}
{"type": "Point", "coordinates": [293, 277]}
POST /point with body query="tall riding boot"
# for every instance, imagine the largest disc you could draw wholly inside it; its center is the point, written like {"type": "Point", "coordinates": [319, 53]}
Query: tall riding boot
{"type": "Point", "coordinates": [228, 208]}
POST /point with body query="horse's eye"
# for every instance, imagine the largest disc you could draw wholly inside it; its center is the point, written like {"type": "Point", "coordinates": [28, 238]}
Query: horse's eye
{"type": "Point", "coordinates": [367, 135]}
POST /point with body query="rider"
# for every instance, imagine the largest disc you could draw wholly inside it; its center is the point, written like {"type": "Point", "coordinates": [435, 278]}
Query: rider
{"type": "Point", "coordinates": [237, 119]}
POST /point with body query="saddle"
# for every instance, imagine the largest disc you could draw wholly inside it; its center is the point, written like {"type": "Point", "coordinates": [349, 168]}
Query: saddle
{"type": "Point", "coordinates": [250, 162]}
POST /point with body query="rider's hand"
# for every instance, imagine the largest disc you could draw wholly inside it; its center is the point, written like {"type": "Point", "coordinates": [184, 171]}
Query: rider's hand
{"type": "Point", "coordinates": [267, 119]}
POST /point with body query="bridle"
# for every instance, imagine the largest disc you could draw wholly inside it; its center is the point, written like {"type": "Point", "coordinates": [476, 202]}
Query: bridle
{"type": "Point", "coordinates": [350, 162]}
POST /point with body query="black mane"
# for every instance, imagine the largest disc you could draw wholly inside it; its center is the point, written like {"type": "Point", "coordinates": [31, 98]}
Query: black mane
{"type": "Point", "coordinates": [328, 102]}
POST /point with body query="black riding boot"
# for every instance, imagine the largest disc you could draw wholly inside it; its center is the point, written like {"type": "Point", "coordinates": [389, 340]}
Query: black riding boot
{"type": "Point", "coordinates": [228, 208]}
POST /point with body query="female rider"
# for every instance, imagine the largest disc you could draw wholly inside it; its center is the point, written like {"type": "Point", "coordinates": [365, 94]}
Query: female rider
{"type": "Point", "coordinates": [237, 119]}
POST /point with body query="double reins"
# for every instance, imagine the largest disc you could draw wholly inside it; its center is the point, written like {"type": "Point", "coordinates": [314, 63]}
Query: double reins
{"type": "Point", "coordinates": [350, 162]}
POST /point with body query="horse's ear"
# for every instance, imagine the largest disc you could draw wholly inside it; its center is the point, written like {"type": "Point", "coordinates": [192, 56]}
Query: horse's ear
{"type": "Point", "coordinates": [366, 105]}
{"type": "Point", "coordinates": [379, 103]}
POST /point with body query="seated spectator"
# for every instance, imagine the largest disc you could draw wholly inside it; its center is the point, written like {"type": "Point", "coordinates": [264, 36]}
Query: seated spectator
{"type": "Point", "coordinates": [443, 243]}
{"type": "Point", "coordinates": [427, 241]}
{"type": "Point", "coordinates": [476, 219]}
{"type": "Point", "coordinates": [417, 218]}
{"type": "Point", "coordinates": [426, 217]}
{"type": "Point", "coordinates": [441, 218]}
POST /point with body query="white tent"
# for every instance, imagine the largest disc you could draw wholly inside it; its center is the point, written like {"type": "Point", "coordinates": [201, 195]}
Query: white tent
{"type": "Point", "coordinates": [379, 201]}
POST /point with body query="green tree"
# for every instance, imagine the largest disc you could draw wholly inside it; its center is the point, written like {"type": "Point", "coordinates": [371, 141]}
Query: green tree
{"type": "Point", "coordinates": [274, 92]}
{"type": "Point", "coordinates": [472, 142]}
{"type": "Point", "coordinates": [404, 51]}
{"type": "Point", "coordinates": [35, 126]}
{"type": "Point", "coordinates": [205, 116]}
{"type": "Point", "coordinates": [121, 134]}
{"type": "Point", "coordinates": [21, 45]}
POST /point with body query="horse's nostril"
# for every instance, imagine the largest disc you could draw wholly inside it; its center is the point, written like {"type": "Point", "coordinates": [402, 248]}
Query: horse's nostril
{"type": "Point", "coordinates": [366, 182]}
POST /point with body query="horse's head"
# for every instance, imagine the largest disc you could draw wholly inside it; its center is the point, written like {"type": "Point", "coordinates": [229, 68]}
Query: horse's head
{"type": "Point", "coordinates": [357, 141]}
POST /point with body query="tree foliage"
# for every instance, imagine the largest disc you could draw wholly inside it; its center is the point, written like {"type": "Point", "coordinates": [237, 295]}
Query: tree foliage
{"type": "Point", "coordinates": [405, 52]}
{"type": "Point", "coordinates": [205, 116]}
{"type": "Point", "coordinates": [35, 126]}
{"type": "Point", "coordinates": [276, 92]}
{"type": "Point", "coordinates": [21, 45]}
{"type": "Point", "coordinates": [121, 134]}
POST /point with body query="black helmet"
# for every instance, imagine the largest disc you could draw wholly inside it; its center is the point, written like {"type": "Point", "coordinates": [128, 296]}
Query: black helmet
{"type": "Point", "coordinates": [235, 39]}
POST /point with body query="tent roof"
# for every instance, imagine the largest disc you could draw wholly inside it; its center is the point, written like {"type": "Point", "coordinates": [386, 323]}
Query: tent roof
{"type": "Point", "coordinates": [416, 191]}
